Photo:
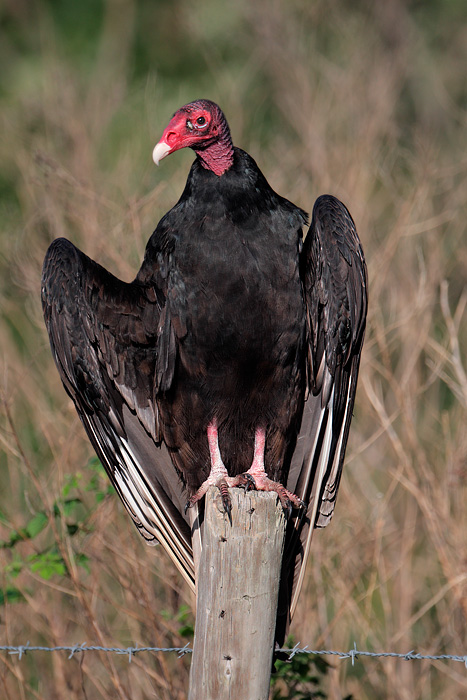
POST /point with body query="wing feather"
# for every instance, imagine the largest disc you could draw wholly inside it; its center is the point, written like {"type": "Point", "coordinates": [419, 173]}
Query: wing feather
{"type": "Point", "coordinates": [114, 346]}
{"type": "Point", "coordinates": [334, 279]}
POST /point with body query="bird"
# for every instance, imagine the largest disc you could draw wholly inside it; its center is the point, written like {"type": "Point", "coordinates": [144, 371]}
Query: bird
{"type": "Point", "coordinates": [230, 360]}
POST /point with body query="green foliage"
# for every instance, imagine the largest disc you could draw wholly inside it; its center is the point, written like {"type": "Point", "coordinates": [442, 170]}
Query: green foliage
{"type": "Point", "coordinates": [300, 677]}
{"type": "Point", "coordinates": [69, 513]}
{"type": "Point", "coordinates": [98, 482]}
{"type": "Point", "coordinates": [30, 530]}
{"type": "Point", "coordinates": [47, 564]}
{"type": "Point", "coordinates": [184, 615]}
{"type": "Point", "coordinates": [10, 594]}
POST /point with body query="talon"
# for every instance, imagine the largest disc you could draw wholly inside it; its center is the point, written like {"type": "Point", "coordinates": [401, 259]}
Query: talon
{"type": "Point", "coordinates": [249, 483]}
{"type": "Point", "coordinates": [254, 479]}
{"type": "Point", "coordinates": [287, 508]}
{"type": "Point", "coordinates": [226, 502]}
{"type": "Point", "coordinates": [228, 509]}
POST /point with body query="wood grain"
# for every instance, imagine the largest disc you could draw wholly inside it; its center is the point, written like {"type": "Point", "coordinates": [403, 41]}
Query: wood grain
{"type": "Point", "coordinates": [238, 589]}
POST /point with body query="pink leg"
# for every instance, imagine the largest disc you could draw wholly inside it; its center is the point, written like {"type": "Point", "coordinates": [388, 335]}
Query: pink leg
{"type": "Point", "coordinates": [254, 478]}
{"type": "Point", "coordinates": [218, 476]}
{"type": "Point", "coordinates": [257, 478]}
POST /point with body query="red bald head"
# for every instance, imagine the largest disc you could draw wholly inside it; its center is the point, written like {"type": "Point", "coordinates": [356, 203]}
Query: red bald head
{"type": "Point", "coordinates": [200, 125]}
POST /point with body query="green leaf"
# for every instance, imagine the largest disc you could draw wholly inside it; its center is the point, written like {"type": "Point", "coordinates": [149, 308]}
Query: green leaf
{"type": "Point", "coordinates": [184, 612]}
{"type": "Point", "coordinates": [83, 561]}
{"type": "Point", "coordinates": [15, 537]}
{"type": "Point", "coordinates": [186, 631]}
{"type": "Point", "coordinates": [96, 464]}
{"type": "Point", "coordinates": [14, 568]}
{"type": "Point", "coordinates": [70, 504]}
{"type": "Point", "coordinates": [72, 482]}
{"type": "Point", "coordinates": [36, 524]}
{"type": "Point", "coordinates": [10, 594]}
{"type": "Point", "coordinates": [47, 564]}
{"type": "Point", "coordinates": [299, 678]}
{"type": "Point", "coordinates": [93, 483]}
{"type": "Point", "coordinates": [33, 528]}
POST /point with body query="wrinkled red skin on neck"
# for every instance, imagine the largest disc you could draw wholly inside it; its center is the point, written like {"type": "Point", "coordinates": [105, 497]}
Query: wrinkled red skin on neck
{"type": "Point", "coordinates": [218, 157]}
{"type": "Point", "coordinates": [213, 146]}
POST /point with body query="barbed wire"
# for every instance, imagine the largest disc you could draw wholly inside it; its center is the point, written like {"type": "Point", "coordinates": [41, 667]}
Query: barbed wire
{"type": "Point", "coordinates": [352, 654]}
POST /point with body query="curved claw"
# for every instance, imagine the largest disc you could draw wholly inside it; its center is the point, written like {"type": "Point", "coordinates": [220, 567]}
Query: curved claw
{"type": "Point", "coordinates": [287, 508]}
{"type": "Point", "coordinates": [249, 482]}
{"type": "Point", "coordinates": [228, 510]}
{"type": "Point", "coordinates": [226, 502]}
{"type": "Point", "coordinates": [225, 496]}
{"type": "Point", "coordinates": [260, 482]}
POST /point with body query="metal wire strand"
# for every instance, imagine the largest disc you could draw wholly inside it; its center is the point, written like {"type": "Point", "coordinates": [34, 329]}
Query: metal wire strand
{"type": "Point", "coordinates": [352, 654]}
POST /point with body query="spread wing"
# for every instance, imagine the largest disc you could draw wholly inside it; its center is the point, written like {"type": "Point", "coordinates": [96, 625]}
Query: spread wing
{"type": "Point", "coordinates": [114, 345]}
{"type": "Point", "coordinates": [334, 279]}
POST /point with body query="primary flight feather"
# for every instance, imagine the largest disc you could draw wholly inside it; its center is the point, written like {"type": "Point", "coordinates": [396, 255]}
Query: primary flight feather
{"type": "Point", "coordinates": [230, 360]}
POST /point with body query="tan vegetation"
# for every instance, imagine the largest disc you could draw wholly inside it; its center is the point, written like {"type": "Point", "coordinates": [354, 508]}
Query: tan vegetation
{"type": "Point", "coordinates": [363, 100]}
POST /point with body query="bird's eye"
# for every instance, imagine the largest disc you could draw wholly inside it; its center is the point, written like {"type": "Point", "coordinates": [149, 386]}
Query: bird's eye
{"type": "Point", "coordinates": [201, 123]}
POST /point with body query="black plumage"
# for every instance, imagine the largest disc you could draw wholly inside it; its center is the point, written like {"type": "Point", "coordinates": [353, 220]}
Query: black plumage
{"type": "Point", "coordinates": [235, 335]}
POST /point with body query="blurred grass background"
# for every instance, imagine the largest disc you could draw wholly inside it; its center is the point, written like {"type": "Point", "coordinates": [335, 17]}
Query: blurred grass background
{"type": "Point", "coordinates": [365, 100]}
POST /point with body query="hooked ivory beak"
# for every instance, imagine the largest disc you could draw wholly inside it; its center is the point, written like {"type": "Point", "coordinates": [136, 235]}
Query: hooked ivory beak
{"type": "Point", "coordinates": [161, 150]}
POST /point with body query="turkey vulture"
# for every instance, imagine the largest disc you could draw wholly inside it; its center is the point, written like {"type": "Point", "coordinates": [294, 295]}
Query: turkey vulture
{"type": "Point", "coordinates": [231, 359]}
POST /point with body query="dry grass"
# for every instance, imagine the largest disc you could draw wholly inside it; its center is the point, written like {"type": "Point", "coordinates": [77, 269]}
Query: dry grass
{"type": "Point", "coordinates": [366, 102]}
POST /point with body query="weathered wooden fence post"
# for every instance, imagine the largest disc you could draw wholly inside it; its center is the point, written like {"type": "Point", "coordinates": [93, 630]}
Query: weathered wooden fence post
{"type": "Point", "coordinates": [238, 586]}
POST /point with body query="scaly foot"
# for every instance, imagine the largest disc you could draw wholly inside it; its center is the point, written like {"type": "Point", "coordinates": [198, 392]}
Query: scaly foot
{"type": "Point", "coordinates": [256, 478]}
{"type": "Point", "coordinates": [218, 476]}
